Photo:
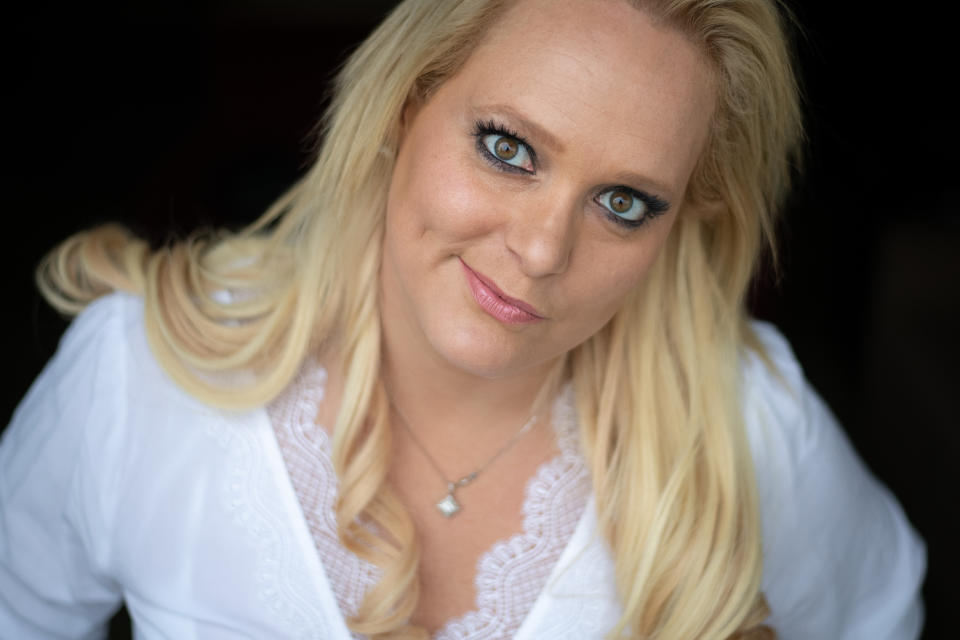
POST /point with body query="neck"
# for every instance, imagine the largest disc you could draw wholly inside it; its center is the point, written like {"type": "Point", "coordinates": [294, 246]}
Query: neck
{"type": "Point", "coordinates": [436, 396]}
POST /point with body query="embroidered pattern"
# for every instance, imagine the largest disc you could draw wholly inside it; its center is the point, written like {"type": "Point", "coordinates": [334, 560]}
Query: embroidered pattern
{"type": "Point", "coordinates": [306, 453]}
{"type": "Point", "coordinates": [510, 575]}
{"type": "Point", "coordinates": [280, 578]}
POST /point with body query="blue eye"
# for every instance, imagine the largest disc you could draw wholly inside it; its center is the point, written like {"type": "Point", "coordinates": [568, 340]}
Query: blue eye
{"type": "Point", "coordinates": [508, 150]}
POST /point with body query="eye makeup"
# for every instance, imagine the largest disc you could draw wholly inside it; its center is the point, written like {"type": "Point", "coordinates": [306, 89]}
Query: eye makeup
{"type": "Point", "coordinates": [485, 130]}
{"type": "Point", "coordinates": [628, 207]}
{"type": "Point", "coordinates": [505, 150]}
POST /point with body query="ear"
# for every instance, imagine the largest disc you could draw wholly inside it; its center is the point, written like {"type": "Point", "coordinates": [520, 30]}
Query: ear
{"type": "Point", "coordinates": [408, 114]}
{"type": "Point", "coordinates": [704, 209]}
{"type": "Point", "coordinates": [710, 211]}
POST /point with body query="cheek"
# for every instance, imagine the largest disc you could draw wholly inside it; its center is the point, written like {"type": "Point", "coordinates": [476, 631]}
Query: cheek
{"type": "Point", "coordinates": [619, 283]}
{"type": "Point", "coordinates": [611, 274]}
{"type": "Point", "coordinates": [437, 194]}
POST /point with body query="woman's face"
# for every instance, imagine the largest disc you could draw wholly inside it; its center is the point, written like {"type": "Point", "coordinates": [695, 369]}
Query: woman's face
{"type": "Point", "coordinates": [533, 190]}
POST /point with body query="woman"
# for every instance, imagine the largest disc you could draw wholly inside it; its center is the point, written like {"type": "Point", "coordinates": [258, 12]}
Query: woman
{"type": "Point", "coordinates": [484, 372]}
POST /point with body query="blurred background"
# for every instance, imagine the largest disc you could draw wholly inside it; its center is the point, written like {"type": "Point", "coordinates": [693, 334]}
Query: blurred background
{"type": "Point", "coordinates": [168, 116]}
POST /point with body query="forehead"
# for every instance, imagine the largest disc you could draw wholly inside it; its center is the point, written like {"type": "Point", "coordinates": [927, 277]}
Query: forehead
{"type": "Point", "coordinates": [603, 77]}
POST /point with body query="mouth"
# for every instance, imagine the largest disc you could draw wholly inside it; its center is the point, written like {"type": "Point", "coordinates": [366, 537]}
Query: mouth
{"type": "Point", "coordinates": [496, 303]}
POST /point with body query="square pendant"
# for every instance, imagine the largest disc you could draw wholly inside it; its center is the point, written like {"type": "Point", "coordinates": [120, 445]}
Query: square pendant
{"type": "Point", "coordinates": [448, 506]}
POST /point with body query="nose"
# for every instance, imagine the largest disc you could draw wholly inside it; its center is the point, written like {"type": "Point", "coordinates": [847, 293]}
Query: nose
{"type": "Point", "coordinates": [542, 234]}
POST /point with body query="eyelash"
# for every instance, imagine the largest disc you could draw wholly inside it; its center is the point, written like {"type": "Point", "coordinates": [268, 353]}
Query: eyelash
{"type": "Point", "coordinates": [655, 206]}
{"type": "Point", "coordinates": [492, 128]}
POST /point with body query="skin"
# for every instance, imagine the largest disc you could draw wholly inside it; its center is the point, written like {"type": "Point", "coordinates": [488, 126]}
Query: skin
{"type": "Point", "coordinates": [605, 97]}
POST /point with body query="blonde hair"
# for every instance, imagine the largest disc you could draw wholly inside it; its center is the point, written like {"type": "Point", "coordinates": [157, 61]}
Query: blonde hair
{"type": "Point", "coordinates": [657, 389]}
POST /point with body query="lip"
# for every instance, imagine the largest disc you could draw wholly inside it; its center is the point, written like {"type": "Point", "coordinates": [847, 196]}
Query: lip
{"type": "Point", "coordinates": [498, 304]}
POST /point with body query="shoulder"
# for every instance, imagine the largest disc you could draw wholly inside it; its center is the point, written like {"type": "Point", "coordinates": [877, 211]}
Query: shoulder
{"type": "Point", "coordinates": [785, 420]}
{"type": "Point", "coordinates": [102, 341]}
{"type": "Point", "coordinates": [62, 473]}
{"type": "Point", "coordinates": [99, 388]}
{"type": "Point", "coordinates": [83, 381]}
{"type": "Point", "coordinates": [83, 399]}
{"type": "Point", "coordinates": [840, 558]}
{"type": "Point", "coordinates": [99, 335]}
{"type": "Point", "coordinates": [791, 431]}
{"type": "Point", "coordinates": [107, 344]}
{"type": "Point", "coordinates": [793, 436]}
{"type": "Point", "coordinates": [773, 384]}
{"type": "Point", "coordinates": [108, 471]}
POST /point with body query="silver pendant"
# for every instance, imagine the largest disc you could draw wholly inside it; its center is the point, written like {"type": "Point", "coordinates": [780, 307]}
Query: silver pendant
{"type": "Point", "coordinates": [448, 507]}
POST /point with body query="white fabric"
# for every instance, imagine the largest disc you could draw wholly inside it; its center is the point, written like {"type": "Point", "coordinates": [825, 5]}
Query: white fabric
{"type": "Point", "coordinates": [117, 486]}
{"type": "Point", "coordinates": [509, 576]}
{"type": "Point", "coordinates": [306, 452]}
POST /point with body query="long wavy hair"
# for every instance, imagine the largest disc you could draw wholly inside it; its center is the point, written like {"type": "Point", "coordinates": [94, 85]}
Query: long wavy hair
{"type": "Point", "coordinates": [657, 389]}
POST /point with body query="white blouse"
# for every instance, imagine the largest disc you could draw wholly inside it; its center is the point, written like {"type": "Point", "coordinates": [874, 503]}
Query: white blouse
{"type": "Point", "coordinates": [116, 486]}
{"type": "Point", "coordinates": [509, 576]}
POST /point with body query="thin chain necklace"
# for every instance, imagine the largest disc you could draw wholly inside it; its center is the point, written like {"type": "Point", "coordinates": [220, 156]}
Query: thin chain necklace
{"type": "Point", "coordinates": [448, 506]}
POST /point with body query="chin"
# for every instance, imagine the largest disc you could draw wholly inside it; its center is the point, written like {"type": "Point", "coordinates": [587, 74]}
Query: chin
{"type": "Point", "coordinates": [484, 356]}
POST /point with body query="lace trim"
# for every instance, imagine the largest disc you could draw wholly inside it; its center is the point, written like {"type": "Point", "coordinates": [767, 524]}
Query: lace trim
{"type": "Point", "coordinates": [248, 499]}
{"type": "Point", "coordinates": [306, 448]}
{"type": "Point", "coordinates": [509, 577]}
{"type": "Point", "coordinates": [513, 572]}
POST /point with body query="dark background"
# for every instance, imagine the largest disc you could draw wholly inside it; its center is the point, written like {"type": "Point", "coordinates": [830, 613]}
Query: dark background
{"type": "Point", "coordinates": [168, 116]}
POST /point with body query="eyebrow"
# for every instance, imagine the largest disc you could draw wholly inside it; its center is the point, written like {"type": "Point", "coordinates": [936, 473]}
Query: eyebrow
{"type": "Point", "coordinates": [526, 124]}
{"type": "Point", "coordinates": [658, 188]}
{"type": "Point", "coordinates": [626, 178]}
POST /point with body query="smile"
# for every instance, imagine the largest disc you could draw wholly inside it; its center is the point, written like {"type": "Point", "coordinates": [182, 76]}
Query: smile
{"type": "Point", "coordinates": [499, 305]}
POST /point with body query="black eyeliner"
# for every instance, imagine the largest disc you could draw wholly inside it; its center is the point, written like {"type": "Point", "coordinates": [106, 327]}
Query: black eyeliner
{"type": "Point", "coordinates": [491, 127]}
{"type": "Point", "coordinates": [655, 207]}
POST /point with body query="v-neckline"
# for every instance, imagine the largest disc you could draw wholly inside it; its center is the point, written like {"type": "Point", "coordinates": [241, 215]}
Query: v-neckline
{"type": "Point", "coordinates": [300, 527]}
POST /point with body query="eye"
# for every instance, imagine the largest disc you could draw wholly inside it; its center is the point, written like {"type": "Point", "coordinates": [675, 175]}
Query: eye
{"type": "Point", "coordinates": [629, 207]}
{"type": "Point", "coordinates": [623, 204]}
{"type": "Point", "coordinates": [508, 150]}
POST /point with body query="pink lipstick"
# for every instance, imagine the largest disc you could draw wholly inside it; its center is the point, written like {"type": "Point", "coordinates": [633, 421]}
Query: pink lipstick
{"type": "Point", "coordinates": [499, 305]}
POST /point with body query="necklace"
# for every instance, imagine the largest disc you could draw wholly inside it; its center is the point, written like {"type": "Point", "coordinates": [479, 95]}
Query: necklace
{"type": "Point", "coordinates": [448, 506]}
